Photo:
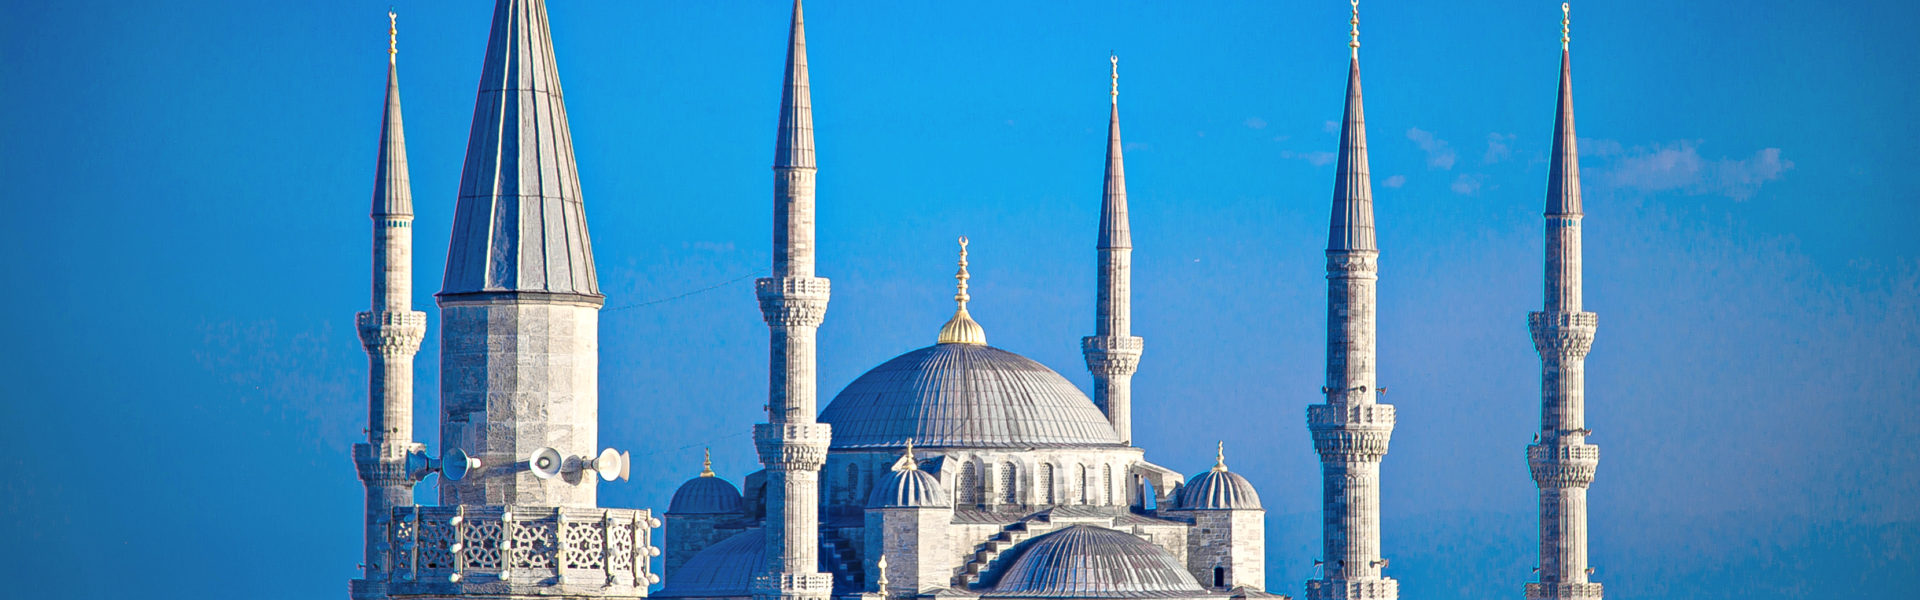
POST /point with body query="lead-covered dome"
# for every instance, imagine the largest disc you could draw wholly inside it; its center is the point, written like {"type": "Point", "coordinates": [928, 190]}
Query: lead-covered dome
{"type": "Point", "coordinates": [1084, 561]}
{"type": "Point", "coordinates": [705, 494]}
{"type": "Point", "coordinates": [965, 395]}
{"type": "Point", "coordinates": [1218, 489]}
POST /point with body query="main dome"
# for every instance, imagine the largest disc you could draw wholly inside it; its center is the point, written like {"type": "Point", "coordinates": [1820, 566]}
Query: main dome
{"type": "Point", "coordinates": [965, 396]}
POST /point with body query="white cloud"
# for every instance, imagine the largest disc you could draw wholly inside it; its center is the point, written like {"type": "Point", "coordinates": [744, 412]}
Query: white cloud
{"type": "Point", "coordinates": [1256, 122]}
{"type": "Point", "coordinates": [1497, 147]}
{"type": "Point", "coordinates": [1318, 159]}
{"type": "Point", "coordinates": [1467, 184]}
{"type": "Point", "coordinates": [1439, 154]}
{"type": "Point", "coordinates": [1330, 127]}
{"type": "Point", "coordinates": [1678, 166]}
{"type": "Point", "coordinates": [1395, 181]}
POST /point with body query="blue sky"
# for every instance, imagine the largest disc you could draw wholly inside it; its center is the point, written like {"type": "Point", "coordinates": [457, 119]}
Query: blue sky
{"type": "Point", "coordinates": [186, 244]}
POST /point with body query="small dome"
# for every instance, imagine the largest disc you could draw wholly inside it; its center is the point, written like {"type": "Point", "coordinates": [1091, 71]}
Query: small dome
{"type": "Point", "coordinates": [1218, 489]}
{"type": "Point", "coordinates": [706, 495]}
{"type": "Point", "coordinates": [908, 487]}
{"type": "Point", "coordinates": [1084, 561]}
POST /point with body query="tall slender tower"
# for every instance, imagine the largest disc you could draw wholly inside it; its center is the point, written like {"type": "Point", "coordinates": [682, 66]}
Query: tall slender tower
{"type": "Point", "coordinates": [1351, 430]}
{"type": "Point", "coordinates": [791, 444]}
{"type": "Point", "coordinates": [1562, 461]}
{"type": "Point", "coordinates": [391, 332]}
{"type": "Point", "coordinates": [519, 308]}
{"type": "Point", "coordinates": [1113, 352]}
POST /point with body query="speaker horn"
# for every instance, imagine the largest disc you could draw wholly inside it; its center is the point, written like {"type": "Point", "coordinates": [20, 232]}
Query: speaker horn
{"type": "Point", "coordinates": [545, 463]}
{"type": "Point", "coordinates": [612, 465]}
{"type": "Point", "coordinates": [455, 464]}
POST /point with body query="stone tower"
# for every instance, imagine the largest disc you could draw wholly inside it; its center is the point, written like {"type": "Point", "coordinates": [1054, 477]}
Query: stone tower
{"type": "Point", "coordinates": [791, 444]}
{"type": "Point", "coordinates": [391, 332]}
{"type": "Point", "coordinates": [519, 308]}
{"type": "Point", "coordinates": [1352, 429]}
{"type": "Point", "coordinates": [1113, 352]}
{"type": "Point", "coordinates": [1562, 461]}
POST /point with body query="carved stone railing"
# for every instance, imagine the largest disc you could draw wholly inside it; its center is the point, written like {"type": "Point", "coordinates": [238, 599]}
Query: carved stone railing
{"type": "Point", "coordinates": [483, 550]}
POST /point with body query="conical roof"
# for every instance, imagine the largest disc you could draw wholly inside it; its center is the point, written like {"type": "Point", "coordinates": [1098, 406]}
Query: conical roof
{"type": "Point", "coordinates": [392, 194]}
{"type": "Point", "coordinates": [520, 225]}
{"type": "Point", "coordinates": [1563, 176]}
{"type": "Point", "coordinates": [1352, 224]}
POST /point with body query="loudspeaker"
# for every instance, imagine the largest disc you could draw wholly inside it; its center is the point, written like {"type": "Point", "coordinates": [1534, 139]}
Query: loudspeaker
{"type": "Point", "coordinates": [545, 463]}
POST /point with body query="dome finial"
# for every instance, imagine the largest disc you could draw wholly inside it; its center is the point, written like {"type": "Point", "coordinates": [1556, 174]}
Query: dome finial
{"type": "Point", "coordinates": [706, 464]}
{"type": "Point", "coordinates": [1220, 457]}
{"type": "Point", "coordinates": [1115, 59]}
{"type": "Point", "coordinates": [1354, 35]}
{"type": "Point", "coordinates": [880, 581]}
{"type": "Point", "coordinates": [393, 34]}
{"type": "Point", "coordinates": [961, 329]}
{"type": "Point", "coordinates": [1566, 22]}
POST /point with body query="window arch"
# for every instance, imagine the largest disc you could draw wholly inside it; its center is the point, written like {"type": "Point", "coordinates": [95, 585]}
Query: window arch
{"type": "Point", "coordinates": [1106, 484]}
{"type": "Point", "coordinates": [1046, 485]}
{"type": "Point", "coordinates": [969, 488]}
{"type": "Point", "coordinates": [1219, 577]}
{"type": "Point", "coordinates": [1009, 484]}
{"type": "Point", "coordinates": [1080, 484]}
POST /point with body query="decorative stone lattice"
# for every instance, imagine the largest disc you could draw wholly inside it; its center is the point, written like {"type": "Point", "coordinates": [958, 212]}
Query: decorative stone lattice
{"type": "Point", "coordinates": [584, 547]}
{"type": "Point", "coordinates": [530, 549]}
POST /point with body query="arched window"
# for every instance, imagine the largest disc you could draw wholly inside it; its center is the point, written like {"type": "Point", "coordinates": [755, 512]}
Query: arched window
{"type": "Point", "coordinates": [1106, 484]}
{"type": "Point", "coordinates": [852, 492]}
{"type": "Point", "coordinates": [970, 492]}
{"type": "Point", "coordinates": [1046, 484]}
{"type": "Point", "coordinates": [1219, 577]}
{"type": "Point", "coordinates": [1080, 484]}
{"type": "Point", "coordinates": [1009, 484]}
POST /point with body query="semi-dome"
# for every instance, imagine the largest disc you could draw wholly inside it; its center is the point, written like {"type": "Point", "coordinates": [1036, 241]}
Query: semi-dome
{"type": "Point", "coordinates": [1218, 489]}
{"type": "Point", "coordinates": [705, 494]}
{"type": "Point", "coordinates": [965, 395]}
{"type": "Point", "coordinates": [721, 570]}
{"type": "Point", "coordinates": [908, 487]}
{"type": "Point", "coordinates": [1085, 561]}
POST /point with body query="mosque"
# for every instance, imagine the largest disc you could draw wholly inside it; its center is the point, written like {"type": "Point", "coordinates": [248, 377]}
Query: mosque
{"type": "Point", "coordinates": [957, 470]}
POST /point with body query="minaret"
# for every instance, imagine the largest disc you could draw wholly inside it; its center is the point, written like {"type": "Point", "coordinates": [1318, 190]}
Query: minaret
{"type": "Point", "coordinates": [391, 332]}
{"type": "Point", "coordinates": [1113, 352]}
{"type": "Point", "coordinates": [1351, 430]}
{"type": "Point", "coordinates": [792, 445]}
{"type": "Point", "coordinates": [519, 308]}
{"type": "Point", "coordinates": [1562, 461]}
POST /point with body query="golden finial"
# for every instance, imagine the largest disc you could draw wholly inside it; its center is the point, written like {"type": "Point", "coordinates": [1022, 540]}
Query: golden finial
{"type": "Point", "coordinates": [1354, 35]}
{"type": "Point", "coordinates": [880, 582]}
{"type": "Point", "coordinates": [706, 464]}
{"type": "Point", "coordinates": [1220, 457]}
{"type": "Point", "coordinates": [1566, 21]}
{"type": "Point", "coordinates": [393, 34]}
{"type": "Point", "coordinates": [961, 329]}
{"type": "Point", "coordinates": [907, 462]}
{"type": "Point", "coordinates": [1115, 59]}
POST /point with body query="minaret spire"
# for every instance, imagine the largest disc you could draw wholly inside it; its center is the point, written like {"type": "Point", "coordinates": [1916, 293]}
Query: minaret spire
{"type": "Point", "coordinates": [1113, 352]}
{"type": "Point", "coordinates": [792, 444]}
{"type": "Point", "coordinates": [1562, 462]}
{"type": "Point", "coordinates": [390, 331]}
{"type": "Point", "coordinates": [1352, 429]}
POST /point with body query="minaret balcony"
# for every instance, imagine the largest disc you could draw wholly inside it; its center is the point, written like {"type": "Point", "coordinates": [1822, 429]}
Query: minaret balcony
{"type": "Point", "coordinates": [1563, 333]}
{"type": "Point", "coordinates": [1563, 465]}
{"type": "Point", "coordinates": [1353, 589]}
{"type": "Point", "coordinates": [1563, 591]}
{"type": "Point", "coordinates": [518, 550]}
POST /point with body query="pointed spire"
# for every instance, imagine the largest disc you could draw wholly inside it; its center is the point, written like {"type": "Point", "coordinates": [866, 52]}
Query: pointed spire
{"type": "Point", "coordinates": [392, 194]}
{"type": "Point", "coordinates": [1563, 176]}
{"type": "Point", "coordinates": [794, 146]}
{"type": "Point", "coordinates": [1220, 458]}
{"type": "Point", "coordinates": [961, 329]}
{"type": "Point", "coordinates": [520, 225]}
{"type": "Point", "coordinates": [1352, 224]}
{"type": "Point", "coordinates": [706, 464]}
{"type": "Point", "coordinates": [1113, 210]}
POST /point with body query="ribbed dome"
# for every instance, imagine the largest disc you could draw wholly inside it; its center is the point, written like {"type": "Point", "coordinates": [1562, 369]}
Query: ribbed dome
{"type": "Point", "coordinates": [909, 488]}
{"type": "Point", "coordinates": [723, 569]}
{"type": "Point", "coordinates": [1218, 489]}
{"type": "Point", "coordinates": [1084, 561]}
{"type": "Point", "coordinates": [705, 495]}
{"type": "Point", "coordinates": [965, 396]}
